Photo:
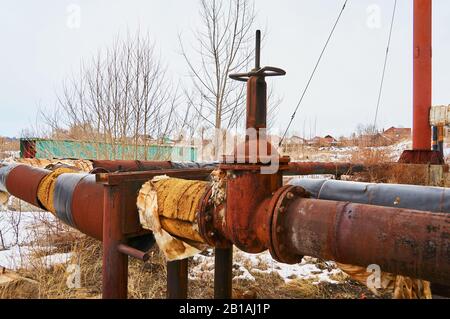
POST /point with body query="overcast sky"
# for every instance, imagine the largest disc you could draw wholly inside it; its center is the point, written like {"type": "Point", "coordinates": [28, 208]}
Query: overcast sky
{"type": "Point", "coordinates": [41, 46]}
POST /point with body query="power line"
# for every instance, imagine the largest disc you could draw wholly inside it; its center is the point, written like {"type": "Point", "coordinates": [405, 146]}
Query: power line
{"type": "Point", "coordinates": [380, 93]}
{"type": "Point", "coordinates": [314, 71]}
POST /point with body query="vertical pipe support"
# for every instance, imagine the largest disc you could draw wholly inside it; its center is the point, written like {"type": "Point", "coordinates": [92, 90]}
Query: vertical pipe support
{"type": "Point", "coordinates": [435, 145]}
{"type": "Point", "coordinates": [223, 273]}
{"type": "Point", "coordinates": [115, 263]}
{"type": "Point", "coordinates": [422, 99]}
{"type": "Point", "coordinates": [177, 279]}
{"type": "Point", "coordinates": [440, 140]}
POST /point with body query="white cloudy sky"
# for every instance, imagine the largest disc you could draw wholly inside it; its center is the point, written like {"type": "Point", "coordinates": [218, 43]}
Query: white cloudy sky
{"type": "Point", "coordinates": [38, 51]}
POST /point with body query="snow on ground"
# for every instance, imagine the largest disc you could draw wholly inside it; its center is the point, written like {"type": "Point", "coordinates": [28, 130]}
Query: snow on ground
{"type": "Point", "coordinates": [396, 150]}
{"type": "Point", "coordinates": [344, 154]}
{"type": "Point", "coordinates": [18, 231]}
{"type": "Point", "coordinates": [18, 257]}
{"type": "Point", "coordinates": [245, 266]}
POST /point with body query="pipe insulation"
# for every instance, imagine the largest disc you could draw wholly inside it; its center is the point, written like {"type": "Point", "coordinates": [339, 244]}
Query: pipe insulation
{"type": "Point", "coordinates": [169, 207]}
{"type": "Point", "coordinates": [74, 198]}
{"type": "Point", "coordinates": [424, 198]}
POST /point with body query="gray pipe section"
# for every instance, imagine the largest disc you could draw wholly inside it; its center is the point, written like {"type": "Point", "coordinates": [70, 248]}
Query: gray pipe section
{"type": "Point", "coordinates": [62, 196]}
{"type": "Point", "coordinates": [433, 199]}
{"type": "Point", "coordinates": [4, 171]}
{"type": "Point", "coordinates": [193, 165]}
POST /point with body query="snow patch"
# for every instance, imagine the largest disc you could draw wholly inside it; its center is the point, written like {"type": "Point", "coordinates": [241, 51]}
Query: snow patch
{"type": "Point", "coordinates": [246, 266]}
{"type": "Point", "coordinates": [18, 232]}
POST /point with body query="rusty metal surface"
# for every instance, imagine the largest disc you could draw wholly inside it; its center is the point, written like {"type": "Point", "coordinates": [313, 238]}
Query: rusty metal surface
{"type": "Point", "coordinates": [223, 273]}
{"type": "Point", "coordinates": [256, 102]}
{"type": "Point", "coordinates": [209, 220]}
{"type": "Point", "coordinates": [130, 165]}
{"type": "Point", "coordinates": [246, 219]}
{"type": "Point", "coordinates": [117, 178]}
{"type": "Point", "coordinates": [232, 162]}
{"type": "Point", "coordinates": [277, 207]}
{"type": "Point", "coordinates": [319, 168]}
{"type": "Point", "coordinates": [133, 252]}
{"type": "Point", "coordinates": [86, 207]}
{"type": "Point", "coordinates": [23, 182]}
{"type": "Point", "coordinates": [405, 242]}
{"type": "Point", "coordinates": [115, 166]}
{"type": "Point", "coordinates": [425, 198]}
{"type": "Point", "coordinates": [422, 81]}
{"type": "Point", "coordinates": [115, 263]}
{"type": "Point", "coordinates": [177, 279]}
{"type": "Point", "coordinates": [256, 113]}
{"type": "Point", "coordinates": [424, 157]}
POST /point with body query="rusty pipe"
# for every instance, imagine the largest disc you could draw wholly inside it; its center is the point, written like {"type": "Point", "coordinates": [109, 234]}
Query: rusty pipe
{"type": "Point", "coordinates": [294, 168]}
{"type": "Point", "coordinates": [406, 242]}
{"type": "Point", "coordinates": [323, 168]}
{"type": "Point", "coordinates": [133, 252]}
{"type": "Point", "coordinates": [77, 197]}
{"type": "Point", "coordinates": [23, 180]}
{"type": "Point", "coordinates": [135, 166]}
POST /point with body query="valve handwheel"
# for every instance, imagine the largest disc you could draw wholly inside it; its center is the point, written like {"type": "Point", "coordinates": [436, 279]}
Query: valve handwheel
{"type": "Point", "coordinates": [258, 71]}
{"type": "Point", "coordinates": [263, 72]}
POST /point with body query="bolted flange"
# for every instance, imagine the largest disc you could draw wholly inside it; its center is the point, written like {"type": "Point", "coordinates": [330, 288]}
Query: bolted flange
{"type": "Point", "coordinates": [280, 200]}
{"type": "Point", "coordinates": [206, 219]}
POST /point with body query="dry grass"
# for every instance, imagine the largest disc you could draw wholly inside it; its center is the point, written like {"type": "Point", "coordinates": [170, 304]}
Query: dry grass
{"type": "Point", "coordinates": [148, 280]}
{"type": "Point", "coordinates": [387, 173]}
{"type": "Point", "coordinates": [7, 146]}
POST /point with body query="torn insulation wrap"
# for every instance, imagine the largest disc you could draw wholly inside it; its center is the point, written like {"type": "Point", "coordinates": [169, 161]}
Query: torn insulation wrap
{"type": "Point", "coordinates": [401, 287]}
{"type": "Point", "coordinates": [4, 198]}
{"type": "Point", "coordinates": [168, 207]}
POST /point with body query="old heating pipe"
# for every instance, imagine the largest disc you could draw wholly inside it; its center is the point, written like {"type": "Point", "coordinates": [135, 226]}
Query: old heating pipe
{"type": "Point", "coordinates": [405, 242]}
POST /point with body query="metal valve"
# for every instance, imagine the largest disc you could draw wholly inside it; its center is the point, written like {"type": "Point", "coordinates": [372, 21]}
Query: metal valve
{"type": "Point", "coordinates": [258, 71]}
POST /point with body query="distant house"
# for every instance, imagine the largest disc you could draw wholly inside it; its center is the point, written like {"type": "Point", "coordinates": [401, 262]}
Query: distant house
{"type": "Point", "coordinates": [397, 133]}
{"type": "Point", "coordinates": [297, 140]}
{"type": "Point", "coordinates": [327, 140]}
{"type": "Point", "coordinates": [293, 145]}
{"type": "Point", "coordinates": [377, 139]}
{"type": "Point", "coordinates": [330, 140]}
{"type": "Point", "coordinates": [314, 141]}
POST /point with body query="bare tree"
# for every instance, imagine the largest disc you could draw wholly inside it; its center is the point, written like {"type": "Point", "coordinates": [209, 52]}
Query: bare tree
{"type": "Point", "coordinates": [122, 100]}
{"type": "Point", "coordinates": [224, 45]}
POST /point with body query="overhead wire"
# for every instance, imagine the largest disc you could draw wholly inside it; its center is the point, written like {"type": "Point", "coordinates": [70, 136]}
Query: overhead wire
{"type": "Point", "coordinates": [383, 75]}
{"type": "Point", "coordinates": [313, 72]}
